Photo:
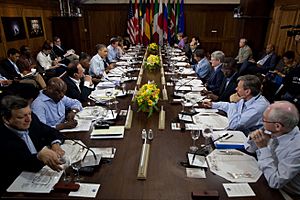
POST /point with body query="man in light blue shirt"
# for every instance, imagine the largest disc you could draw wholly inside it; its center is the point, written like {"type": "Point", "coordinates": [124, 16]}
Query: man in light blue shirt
{"type": "Point", "coordinates": [202, 68]}
{"type": "Point", "coordinates": [51, 106]}
{"type": "Point", "coordinates": [98, 62]}
{"type": "Point", "coordinates": [114, 51]}
{"type": "Point", "coordinates": [277, 147]}
{"type": "Point", "coordinates": [246, 114]}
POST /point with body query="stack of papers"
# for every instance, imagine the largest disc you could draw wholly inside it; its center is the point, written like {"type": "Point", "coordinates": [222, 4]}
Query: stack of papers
{"type": "Point", "coordinates": [83, 125]}
{"type": "Point", "coordinates": [111, 133]}
{"type": "Point", "coordinates": [214, 120]}
{"type": "Point", "coordinates": [39, 182]}
{"type": "Point", "coordinates": [236, 141]}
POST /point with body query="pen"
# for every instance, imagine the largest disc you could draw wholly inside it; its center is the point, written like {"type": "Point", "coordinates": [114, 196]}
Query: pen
{"type": "Point", "coordinates": [230, 136]}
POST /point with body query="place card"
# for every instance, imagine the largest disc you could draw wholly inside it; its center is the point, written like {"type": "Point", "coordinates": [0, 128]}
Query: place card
{"type": "Point", "coordinates": [195, 173]}
{"type": "Point", "coordinates": [238, 190]}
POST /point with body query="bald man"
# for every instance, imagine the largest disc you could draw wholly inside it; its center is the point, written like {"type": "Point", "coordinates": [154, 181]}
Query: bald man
{"type": "Point", "coordinates": [277, 146]}
{"type": "Point", "coordinates": [55, 109]}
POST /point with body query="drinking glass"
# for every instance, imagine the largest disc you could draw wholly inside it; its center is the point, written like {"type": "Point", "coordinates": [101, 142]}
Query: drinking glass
{"type": "Point", "coordinates": [108, 93]}
{"type": "Point", "coordinates": [65, 163]}
{"type": "Point", "coordinates": [76, 167]}
{"type": "Point", "coordinates": [195, 136]}
{"type": "Point", "coordinates": [150, 134]}
{"type": "Point", "coordinates": [183, 102]}
{"type": "Point", "coordinates": [207, 133]}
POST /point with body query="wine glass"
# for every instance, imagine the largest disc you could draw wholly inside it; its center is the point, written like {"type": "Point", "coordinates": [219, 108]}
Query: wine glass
{"type": "Point", "coordinates": [123, 86]}
{"type": "Point", "coordinates": [193, 101]}
{"type": "Point", "coordinates": [195, 136]}
{"type": "Point", "coordinates": [150, 134]}
{"type": "Point", "coordinates": [108, 93]}
{"type": "Point", "coordinates": [183, 101]}
{"type": "Point", "coordinates": [76, 167]}
{"type": "Point", "coordinates": [65, 162]}
{"type": "Point", "coordinates": [207, 133]}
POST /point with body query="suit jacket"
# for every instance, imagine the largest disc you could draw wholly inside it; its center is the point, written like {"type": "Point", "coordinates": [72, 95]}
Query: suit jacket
{"type": "Point", "coordinates": [8, 70]}
{"type": "Point", "coordinates": [270, 62]}
{"type": "Point", "coordinates": [215, 80]}
{"type": "Point", "coordinates": [225, 93]}
{"type": "Point", "coordinates": [73, 91]}
{"type": "Point", "coordinates": [16, 155]}
{"type": "Point", "coordinates": [60, 52]}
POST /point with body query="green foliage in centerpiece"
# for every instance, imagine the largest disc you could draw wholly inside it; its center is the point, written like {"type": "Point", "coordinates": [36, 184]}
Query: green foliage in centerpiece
{"type": "Point", "coordinates": [147, 98]}
{"type": "Point", "coordinates": [152, 62]}
{"type": "Point", "coordinates": [152, 49]}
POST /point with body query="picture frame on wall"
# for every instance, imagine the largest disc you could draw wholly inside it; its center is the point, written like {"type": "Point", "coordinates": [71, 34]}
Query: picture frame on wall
{"type": "Point", "coordinates": [35, 27]}
{"type": "Point", "coordinates": [14, 28]}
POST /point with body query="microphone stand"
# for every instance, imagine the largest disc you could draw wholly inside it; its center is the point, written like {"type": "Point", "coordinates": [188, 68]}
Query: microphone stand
{"type": "Point", "coordinates": [85, 147]}
{"type": "Point", "coordinates": [212, 142]}
{"type": "Point", "coordinates": [186, 83]}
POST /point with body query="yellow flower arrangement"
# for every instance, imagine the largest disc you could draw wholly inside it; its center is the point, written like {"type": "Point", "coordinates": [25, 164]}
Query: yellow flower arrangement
{"type": "Point", "coordinates": [153, 47]}
{"type": "Point", "coordinates": [147, 98]}
{"type": "Point", "coordinates": [152, 62]}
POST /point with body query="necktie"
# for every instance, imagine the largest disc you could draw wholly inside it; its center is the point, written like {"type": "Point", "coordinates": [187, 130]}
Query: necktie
{"type": "Point", "coordinates": [273, 146]}
{"type": "Point", "coordinates": [29, 143]}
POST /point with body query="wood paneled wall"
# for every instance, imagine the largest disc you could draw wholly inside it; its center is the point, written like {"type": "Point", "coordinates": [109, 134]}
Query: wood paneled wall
{"type": "Point", "coordinates": [106, 20]}
{"type": "Point", "coordinates": [285, 13]}
{"type": "Point", "coordinates": [35, 8]}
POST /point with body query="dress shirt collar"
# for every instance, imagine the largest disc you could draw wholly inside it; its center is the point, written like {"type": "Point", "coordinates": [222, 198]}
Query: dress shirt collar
{"type": "Point", "coordinates": [45, 97]}
{"type": "Point", "coordinates": [251, 101]}
{"type": "Point", "coordinates": [285, 138]}
{"type": "Point", "coordinates": [18, 132]}
{"type": "Point", "coordinates": [77, 82]}
{"type": "Point", "coordinates": [217, 67]}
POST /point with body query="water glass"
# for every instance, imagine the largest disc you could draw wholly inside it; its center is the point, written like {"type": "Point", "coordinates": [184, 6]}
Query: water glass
{"type": "Point", "coordinates": [207, 133]}
{"type": "Point", "coordinates": [195, 136]}
{"type": "Point", "coordinates": [65, 163]}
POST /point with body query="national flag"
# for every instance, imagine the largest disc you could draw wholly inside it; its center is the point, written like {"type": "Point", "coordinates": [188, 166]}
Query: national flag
{"type": "Point", "coordinates": [136, 22]}
{"type": "Point", "coordinates": [141, 18]}
{"type": "Point", "coordinates": [171, 21]}
{"type": "Point", "coordinates": [155, 22]}
{"type": "Point", "coordinates": [130, 24]}
{"type": "Point", "coordinates": [160, 24]}
{"type": "Point", "coordinates": [165, 24]}
{"type": "Point", "coordinates": [177, 17]}
{"type": "Point", "coordinates": [151, 18]}
{"type": "Point", "coordinates": [181, 18]}
{"type": "Point", "coordinates": [147, 25]}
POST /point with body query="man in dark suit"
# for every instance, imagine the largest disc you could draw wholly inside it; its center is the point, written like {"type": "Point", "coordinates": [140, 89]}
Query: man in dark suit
{"type": "Point", "coordinates": [27, 144]}
{"type": "Point", "coordinates": [267, 62]}
{"type": "Point", "coordinates": [216, 78]}
{"type": "Point", "coordinates": [9, 68]}
{"type": "Point", "coordinates": [79, 86]}
{"type": "Point", "coordinates": [229, 83]}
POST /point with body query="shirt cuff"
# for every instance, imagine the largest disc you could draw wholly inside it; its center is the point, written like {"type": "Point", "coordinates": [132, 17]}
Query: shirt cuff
{"type": "Point", "coordinates": [56, 142]}
{"type": "Point", "coordinates": [263, 153]}
{"type": "Point", "coordinates": [87, 84]}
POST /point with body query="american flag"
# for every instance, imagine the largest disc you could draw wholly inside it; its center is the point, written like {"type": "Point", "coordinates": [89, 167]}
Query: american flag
{"type": "Point", "coordinates": [130, 24]}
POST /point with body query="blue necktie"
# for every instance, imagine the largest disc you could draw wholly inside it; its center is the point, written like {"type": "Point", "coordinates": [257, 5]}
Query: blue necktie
{"type": "Point", "coordinates": [29, 143]}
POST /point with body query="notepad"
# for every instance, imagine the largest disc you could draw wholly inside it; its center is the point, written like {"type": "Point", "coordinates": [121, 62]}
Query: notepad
{"type": "Point", "coordinates": [112, 132]}
{"type": "Point", "coordinates": [238, 189]}
{"type": "Point", "coordinates": [235, 142]}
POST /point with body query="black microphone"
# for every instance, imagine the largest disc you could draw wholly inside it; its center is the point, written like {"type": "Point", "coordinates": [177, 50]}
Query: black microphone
{"type": "Point", "coordinates": [286, 26]}
{"type": "Point", "coordinates": [209, 144]}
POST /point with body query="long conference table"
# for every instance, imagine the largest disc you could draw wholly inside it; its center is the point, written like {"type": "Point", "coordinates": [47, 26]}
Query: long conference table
{"type": "Point", "coordinates": [166, 177]}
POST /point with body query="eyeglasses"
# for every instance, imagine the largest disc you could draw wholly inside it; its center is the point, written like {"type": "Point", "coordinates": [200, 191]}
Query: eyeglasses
{"type": "Point", "coordinates": [265, 121]}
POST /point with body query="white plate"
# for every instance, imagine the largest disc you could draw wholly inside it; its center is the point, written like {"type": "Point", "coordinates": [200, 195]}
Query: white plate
{"type": "Point", "coordinates": [101, 94]}
{"type": "Point", "coordinates": [216, 121]}
{"type": "Point", "coordinates": [90, 112]}
{"type": "Point", "coordinates": [181, 64]}
{"type": "Point", "coordinates": [122, 63]}
{"type": "Point", "coordinates": [196, 96]}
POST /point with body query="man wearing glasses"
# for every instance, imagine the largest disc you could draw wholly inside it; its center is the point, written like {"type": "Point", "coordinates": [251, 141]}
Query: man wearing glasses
{"type": "Point", "coordinates": [277, 147]}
